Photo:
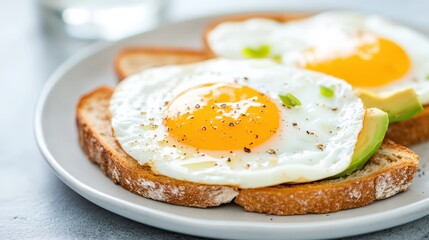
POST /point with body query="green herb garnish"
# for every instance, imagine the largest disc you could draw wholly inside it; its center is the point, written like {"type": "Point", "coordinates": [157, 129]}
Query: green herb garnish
{"type": "Point", "coordinates": [277, 58]}
{"type": "Point", "coordinates": [262, 51]}
{"type": "Point", "coordinates": [427, 77]}
{"type": "Point", "coordinates": [327, 92]}
{"type": "Point", "coordinates": [289, 100]}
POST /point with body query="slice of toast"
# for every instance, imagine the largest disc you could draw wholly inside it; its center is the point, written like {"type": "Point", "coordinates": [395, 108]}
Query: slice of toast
{"type": "Point", "coordinates": [412, 131]}
{"type": "Point", "coordinates": [387, 173]}
{"type": "Point", "coordinates": [134, 60]}
{"type": "Point", "coordinates": [407, 133]}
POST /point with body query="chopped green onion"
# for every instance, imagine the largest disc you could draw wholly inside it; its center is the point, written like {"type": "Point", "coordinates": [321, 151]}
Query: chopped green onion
{"type": "Point", "coordinates": [277, 58]}
{"type": "Point", "coordinates": [427, 77]}
{"type": "Point", "coordinates": [262, 51]}
{"type": "Point", "coordinates": [289, 100]}
{"type": "Point", "coordinates": [327, 92]}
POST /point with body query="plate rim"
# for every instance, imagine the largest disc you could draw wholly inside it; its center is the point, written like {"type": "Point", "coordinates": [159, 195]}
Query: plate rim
{"type": "Point", "coordinates": [189, 225]}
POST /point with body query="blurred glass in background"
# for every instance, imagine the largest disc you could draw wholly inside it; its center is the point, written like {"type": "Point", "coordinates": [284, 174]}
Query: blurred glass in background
{"type": "Point", "coordinates": [102, 19]}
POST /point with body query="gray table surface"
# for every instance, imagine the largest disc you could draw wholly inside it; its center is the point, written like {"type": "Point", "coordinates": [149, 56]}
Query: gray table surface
{"type": "Point", "coordinates": [34, 203]}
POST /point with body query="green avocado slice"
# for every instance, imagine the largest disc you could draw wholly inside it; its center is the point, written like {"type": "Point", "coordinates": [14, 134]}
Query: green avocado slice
{"type": "Point", "coordinates": [370, 138]}
{"type": "Point", "coordinates": [400, 105]}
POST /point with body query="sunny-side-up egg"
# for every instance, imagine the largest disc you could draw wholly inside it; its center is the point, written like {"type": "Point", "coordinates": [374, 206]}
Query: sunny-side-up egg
{"type": "Point", "coordinates": [245, 123]}
{"type": "Point", "coordinates": [368, 51]}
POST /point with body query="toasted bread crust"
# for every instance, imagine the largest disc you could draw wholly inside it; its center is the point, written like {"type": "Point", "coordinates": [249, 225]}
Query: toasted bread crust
{"type": "Point", "coordinates": [334, 195]}
{"type": "Point", "coordinates": [134, 60]}
{"type": "Point", "coordinates": [95, 138]}
{"type": "Point", "coordinates": [411, 132]}
{"type": "Point", "coordinates": [390, 171]}
{"type": "Point", "coordinates": [407, 133]}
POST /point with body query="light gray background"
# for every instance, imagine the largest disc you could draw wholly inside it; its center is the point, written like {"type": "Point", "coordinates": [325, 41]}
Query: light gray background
{"type": "Point", "coordinates": [34, 203]}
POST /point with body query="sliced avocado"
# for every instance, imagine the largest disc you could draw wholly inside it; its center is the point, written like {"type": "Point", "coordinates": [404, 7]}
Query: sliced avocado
{"type": "Point", "coordinates": [369, 141]}
{"type": "Point", "coordinates": [400, 105]}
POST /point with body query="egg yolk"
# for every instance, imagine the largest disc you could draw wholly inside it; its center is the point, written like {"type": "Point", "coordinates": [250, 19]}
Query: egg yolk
{"type": "Point", "coordinates": [222, 116]}
{"type": "Point", "coordinates": [370, 64]}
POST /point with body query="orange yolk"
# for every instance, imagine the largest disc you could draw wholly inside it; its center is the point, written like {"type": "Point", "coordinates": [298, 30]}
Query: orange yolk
{"type": "Point", "coordinates": [371, 64]}
{"type": "Point", "coordinates": [222, 116]}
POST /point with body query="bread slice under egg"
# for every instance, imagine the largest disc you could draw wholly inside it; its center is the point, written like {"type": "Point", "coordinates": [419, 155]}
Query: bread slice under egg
{"type": "Point", "coordinates": [387, 173]}
{"type": "Point", "coordinates": [412, 131]}
{"type": "Point", "coordinates": [134, 60]}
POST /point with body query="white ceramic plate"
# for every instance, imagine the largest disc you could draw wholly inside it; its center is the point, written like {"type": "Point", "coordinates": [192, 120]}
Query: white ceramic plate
{"type": "Point", "coordinates": [57, 137]}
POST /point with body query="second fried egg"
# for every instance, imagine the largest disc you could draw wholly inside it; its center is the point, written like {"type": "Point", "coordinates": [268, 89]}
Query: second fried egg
{"type": "Point", "coordinates": [367, 51]}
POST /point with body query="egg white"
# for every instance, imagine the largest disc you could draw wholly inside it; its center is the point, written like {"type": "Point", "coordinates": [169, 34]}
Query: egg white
{"type": "Point", "coordinates": [319, 146]}
{"type": "Point", "coordinates": [291, 39]}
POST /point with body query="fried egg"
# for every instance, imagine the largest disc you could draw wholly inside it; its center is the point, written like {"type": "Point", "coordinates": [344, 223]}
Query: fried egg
{"type": "Point", "coordinates": [367, 51]}
{"type": "Point", "coordinates": [244, 123]}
